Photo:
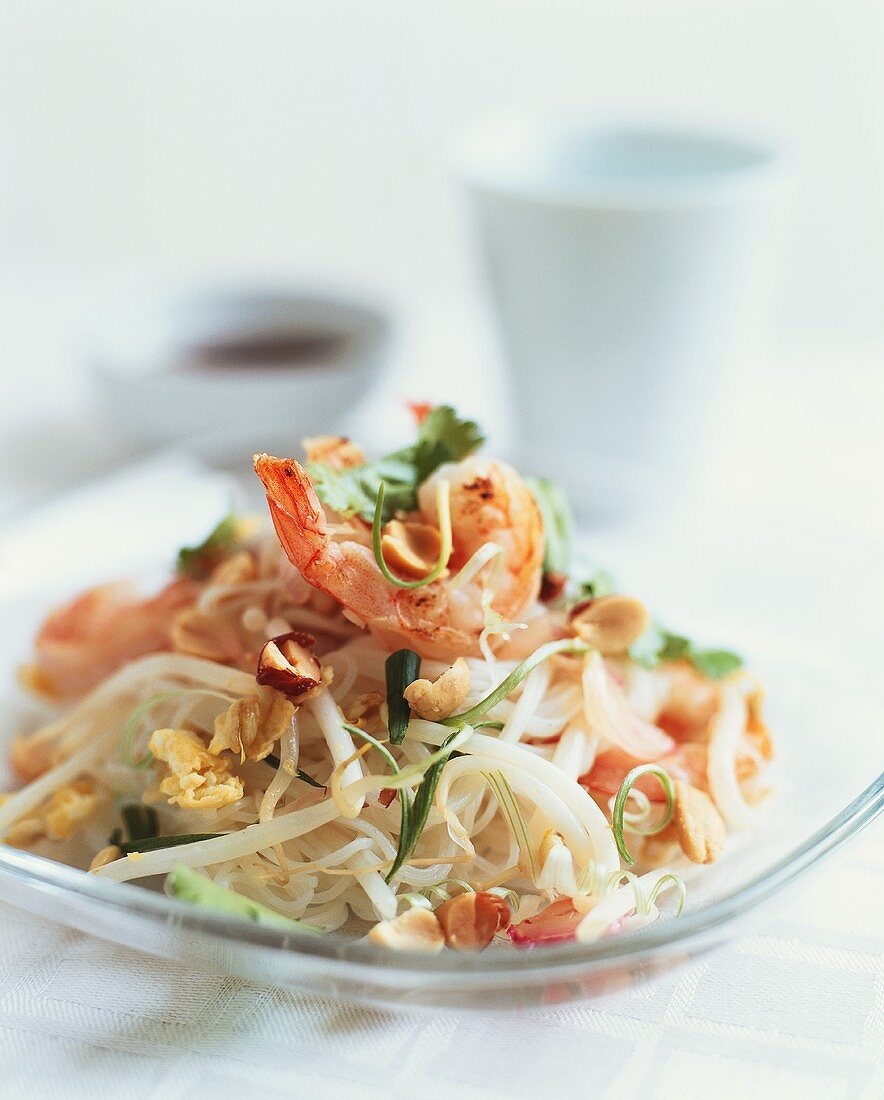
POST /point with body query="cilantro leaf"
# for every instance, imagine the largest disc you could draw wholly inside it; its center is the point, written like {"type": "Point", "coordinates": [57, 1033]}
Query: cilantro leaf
{"type": "Point", "coordinates": [199, 561]}
{"type": "Point", "coordinates": [442, 437]}
{"type": "Point", "coordinates": [658, 645]}
{"type": "Point", "coordinates": [599, 583]}
{"type": "Point", "coordinates": [715, 663]}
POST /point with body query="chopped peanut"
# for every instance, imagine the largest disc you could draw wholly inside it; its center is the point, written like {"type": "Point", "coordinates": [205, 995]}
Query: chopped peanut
{"type": "Point", "coordinates": [442, 698]}
{"type": "Point", "coordinates": [470, 920]}
{"type": "Point", "coordinates": [29, 758]}
{"type": "Point", "coordinates": [200, 634]}
{"type": "Point", "coordinates": [286, 663]}
{"type": "Point", "coordinates": [411, 548]}
{"type": "Point", "coordinates": [199, 780]}
{"type": "Point", "coordinates": [414, 930]}
{"type": "Point", "coordinates": [251, 727]}
{"type": "Point", "coordinates": [610, 623]}
{"type": "Point", "coordinates": [698, 824]}
{"type": "Point", "coordinates": [333, 450]}
{"type": "Point", "coordinates": [105, 856]}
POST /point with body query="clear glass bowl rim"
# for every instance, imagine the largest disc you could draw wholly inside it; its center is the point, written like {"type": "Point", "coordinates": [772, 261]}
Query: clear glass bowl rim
{"type": "Point", "coordinates": [491, 967]}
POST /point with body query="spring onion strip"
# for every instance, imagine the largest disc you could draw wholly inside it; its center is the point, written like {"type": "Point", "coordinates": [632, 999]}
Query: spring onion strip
{"type": "Point", "coordinates": [155, 843]}
{"type": "Point", "coordinates": [443, 507]}
{"type": "Point", "coordinates": [507, 686]}
{"type": "Point", "coordinates": [637, 895]}
{"type": "Point", "coordinates": [411, 773]}
{"type": "Point", "coordinates": [512, 811]}
{"type": "Point", "coordinates": [620, 806]}
{"type": "Point", "coordinates": [401, 669]}
{"type": "Point", "coordinates": [404, 799]}
{"type": "Point", "coordinates": [661, 885]}
{"type": "Point", "coordinates": [412, 829]}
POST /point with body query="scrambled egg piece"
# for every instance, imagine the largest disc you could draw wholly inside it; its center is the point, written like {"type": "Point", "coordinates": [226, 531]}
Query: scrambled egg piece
{"type": "Point", "coordinates": [60, 816]}
{"type": "Point", "coordinates": [365, 712]}
{"type": "Point", "coordinates": [252, 726]}
{"type": "Point", "coordinates": [198, 779]}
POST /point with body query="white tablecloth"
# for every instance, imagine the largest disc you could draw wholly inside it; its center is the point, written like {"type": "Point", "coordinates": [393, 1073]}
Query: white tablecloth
{"type": "Point", "coordinates": [795, 1009]}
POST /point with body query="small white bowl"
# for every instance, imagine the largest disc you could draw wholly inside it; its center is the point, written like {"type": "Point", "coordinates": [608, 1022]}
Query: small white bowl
{"type": "Point", "coordinates": [232, 371]}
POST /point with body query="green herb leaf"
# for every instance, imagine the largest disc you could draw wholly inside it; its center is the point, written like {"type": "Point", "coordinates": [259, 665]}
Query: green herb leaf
{"type": "Point", "coordinates": [154, 843]}
{"type": "Point", "coordinates": [274, 762]}
{"type": "Point", "coordinates": [199, 561]}
{"type": "Point", "coordinates": [715, 663]}
{"type": "Point", "coordinates": [188, 885]}
{"type": "Point", "coordinates": [658, 645]}
{"type": "Point", "coordinates": [141, 822]}
{"type": "Point", "coordinates": [558, 525]}
{"type": "Point", "coordinates": [401, 668]}
{"type": "Point", "coordinates": [442, 437]}
{"type": "Point", "coordinates": [507, 686]}
{"type": "Point", "coordinates": [420, 810]}
{"type": "Point", "coordinates": [599, 583]}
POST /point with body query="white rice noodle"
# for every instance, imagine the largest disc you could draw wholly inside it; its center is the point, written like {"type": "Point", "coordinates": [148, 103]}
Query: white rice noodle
{"type": "Point", "coordinates": [340, 745]}
{"type": "Point", "coordinates": [560, 816]}
{"type": "Point", "coordinates": [611, 717]}
{"type": "Point", "coordinates": [285, 773]}
{"type": "Point", "coordinates": [379, 893]}
{"type": "Point", "coordinates": [575, 752]}
{"type": "Point", "coordinates": [25, 800]}
{"type": "Point", "coordinates": [728, 728]}
{"type": "Point", "coordinates": [204, 853]}
{"type": "Point", "coordinates": [617, 905]}
{"type": "Point", "coordinates": [533, 689]}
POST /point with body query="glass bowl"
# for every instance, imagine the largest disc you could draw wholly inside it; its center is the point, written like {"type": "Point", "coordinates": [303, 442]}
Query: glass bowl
{"type": "Point", "coordinates": [827, 788]}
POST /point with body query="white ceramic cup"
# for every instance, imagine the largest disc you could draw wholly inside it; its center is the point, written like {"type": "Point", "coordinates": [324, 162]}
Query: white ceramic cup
{"type": "Point", "coordinates": [623, 262]}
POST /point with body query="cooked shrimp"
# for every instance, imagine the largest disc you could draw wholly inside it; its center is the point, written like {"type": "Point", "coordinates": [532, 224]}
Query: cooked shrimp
{"type": "Point", "coordinates": [489, 503]}
{"type": "Point", "coordinates": [691, 702]}
{"type": "Point", "coordinates": [85, 640]}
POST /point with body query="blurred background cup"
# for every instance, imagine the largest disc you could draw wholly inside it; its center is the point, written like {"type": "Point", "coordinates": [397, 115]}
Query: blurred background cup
{"type": "Point", "coordinates": [231, 369]}
{"type": "Point", "coordinates": [627, 264]}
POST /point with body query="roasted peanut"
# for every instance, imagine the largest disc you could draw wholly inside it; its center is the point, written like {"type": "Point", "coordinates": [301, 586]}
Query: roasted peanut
{"type": "Point", "coordinates": [411, 548]}
{"type": "Point", "coordinates": [610, 623]}
{"type": "Point", "coordinates": [414, 930]}
{"type": "Point", "coordinates": [470, 920]}
{"type": "Point", "coordinates": [286, 663]}
{"type": "Point", "coordinates": [442, 698]}
{"type": "Point", "coordinates": [105, 856]}
{"type": "Point", "coordinates": [698, 824]}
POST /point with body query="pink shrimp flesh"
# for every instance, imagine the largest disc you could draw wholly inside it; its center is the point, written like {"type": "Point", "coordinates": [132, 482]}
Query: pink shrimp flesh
{"type": "Point", "coordinates": [82, 642]}
{"type": "Point", "coordinates": [489, 503]}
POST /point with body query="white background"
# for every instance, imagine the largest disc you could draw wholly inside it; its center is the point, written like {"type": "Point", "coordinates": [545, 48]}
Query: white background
{"type": "Point", "coordinates": [177, 139]}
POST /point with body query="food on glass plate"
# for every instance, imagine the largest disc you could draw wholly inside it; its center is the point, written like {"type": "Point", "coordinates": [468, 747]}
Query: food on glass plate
{"type": "Point", "coordinates": [402, 713]}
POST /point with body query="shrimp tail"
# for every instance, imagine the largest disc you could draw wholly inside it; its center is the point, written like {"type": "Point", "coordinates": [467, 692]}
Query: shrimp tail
{"type": "Point", "coordinates": [294, 508]}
